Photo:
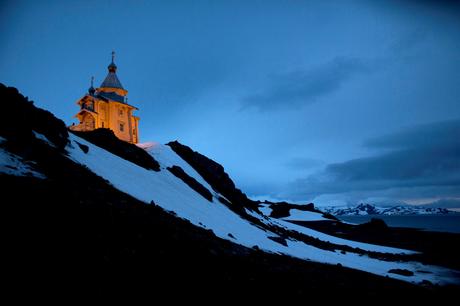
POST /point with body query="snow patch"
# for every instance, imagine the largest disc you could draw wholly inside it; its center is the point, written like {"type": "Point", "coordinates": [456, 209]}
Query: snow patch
{"type": "Point", "coordinates": [12, 164]}
{"type": "Point", "coordinates": [300, 215]}
{"type": "Point", "coordinates": [44, 139]}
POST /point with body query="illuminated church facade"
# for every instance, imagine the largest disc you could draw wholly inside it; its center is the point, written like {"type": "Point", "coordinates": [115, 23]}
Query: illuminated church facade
{"type": "Point", "coordinates": [107, 107]}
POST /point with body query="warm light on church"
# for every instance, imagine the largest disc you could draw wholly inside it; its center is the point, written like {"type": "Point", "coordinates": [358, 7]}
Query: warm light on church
{"type": "Point", "coordinates": [107, 107]}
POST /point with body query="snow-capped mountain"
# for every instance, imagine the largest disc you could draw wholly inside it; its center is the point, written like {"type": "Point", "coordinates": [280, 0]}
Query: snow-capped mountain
{"type": "Point", "coordinates": [162, 207]}
{"type": "Point", "coordinates": [369, 209]}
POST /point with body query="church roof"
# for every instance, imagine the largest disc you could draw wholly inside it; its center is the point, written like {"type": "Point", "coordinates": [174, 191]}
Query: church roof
{"type": "Point", "coordinates": [112, 81]}
{"type": "Point", "coordinates": [111, 96]}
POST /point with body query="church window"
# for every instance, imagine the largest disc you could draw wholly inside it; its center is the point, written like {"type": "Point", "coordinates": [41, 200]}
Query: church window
{"type": "Point", "coordinates": [90, 106]}
{"type": "Point", "coordinates": [120, 112]}
{"type": "Point", "coordinates": [102, 124]}
{"type": "Point", "coordinates": [122, 127]}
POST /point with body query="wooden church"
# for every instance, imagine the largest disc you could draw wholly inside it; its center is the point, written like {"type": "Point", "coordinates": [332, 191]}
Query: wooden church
{"type": "Point", "coordinates": [107, 107]}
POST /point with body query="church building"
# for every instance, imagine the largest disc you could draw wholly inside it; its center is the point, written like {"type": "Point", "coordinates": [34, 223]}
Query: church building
{"type": "Point", "coordinates": [107, 107]}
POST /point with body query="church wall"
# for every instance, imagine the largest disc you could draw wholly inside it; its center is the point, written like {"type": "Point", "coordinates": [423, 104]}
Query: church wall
{"type": "Point", "coordinates": [135, 128]}
{"type": "Point", "coordinates": [108, 115]}
{"type": "Point", "coordinates": [119, 115]}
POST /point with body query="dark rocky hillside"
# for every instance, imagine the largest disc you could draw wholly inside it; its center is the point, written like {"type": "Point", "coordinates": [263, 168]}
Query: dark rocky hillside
{"type": "Point", "coordinates": [73, 236]}
{"type": "Point", "coordinates": [215, 175]}
{"type": "Point", "coordinates": [21, 117]}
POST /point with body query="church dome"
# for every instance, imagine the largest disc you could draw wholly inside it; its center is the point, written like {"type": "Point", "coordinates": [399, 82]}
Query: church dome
{"type": "Point", "coordinates": [112, 67]}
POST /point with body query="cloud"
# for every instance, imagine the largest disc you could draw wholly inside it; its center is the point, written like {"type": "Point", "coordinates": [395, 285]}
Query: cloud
{"type": "Point", "coordinates": [445, 203]}
{"type": "Point", "coordinates": [439, 134]}
{"type": "Point", "coordinates": [301, 87]}
{"type": "Point", "coordinates": [420, 161]}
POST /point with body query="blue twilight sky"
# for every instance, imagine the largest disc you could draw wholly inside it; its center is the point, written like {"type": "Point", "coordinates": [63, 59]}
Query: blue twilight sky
{"type": "Point", "coordinates": [326, 101]}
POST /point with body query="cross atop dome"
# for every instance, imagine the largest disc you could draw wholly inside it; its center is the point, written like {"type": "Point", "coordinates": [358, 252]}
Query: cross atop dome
{"type": "Point", "coordinates": [112, 67]}
{"type": "Point", "coordinates": [91, 89]}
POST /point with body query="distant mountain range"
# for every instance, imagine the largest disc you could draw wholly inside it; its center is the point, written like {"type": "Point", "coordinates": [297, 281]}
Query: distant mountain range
{"type": "Point", "coordinates": [369, 209]}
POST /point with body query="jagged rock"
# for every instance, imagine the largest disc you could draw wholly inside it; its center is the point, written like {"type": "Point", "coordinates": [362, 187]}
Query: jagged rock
{"type": "Point", "coordinates": [215, 175]}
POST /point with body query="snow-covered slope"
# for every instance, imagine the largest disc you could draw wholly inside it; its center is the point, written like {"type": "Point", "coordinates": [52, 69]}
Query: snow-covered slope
{"type": "Point", "coordinates": [369, 209]}
{"type": "Point", "coordinates": [172, 194]}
